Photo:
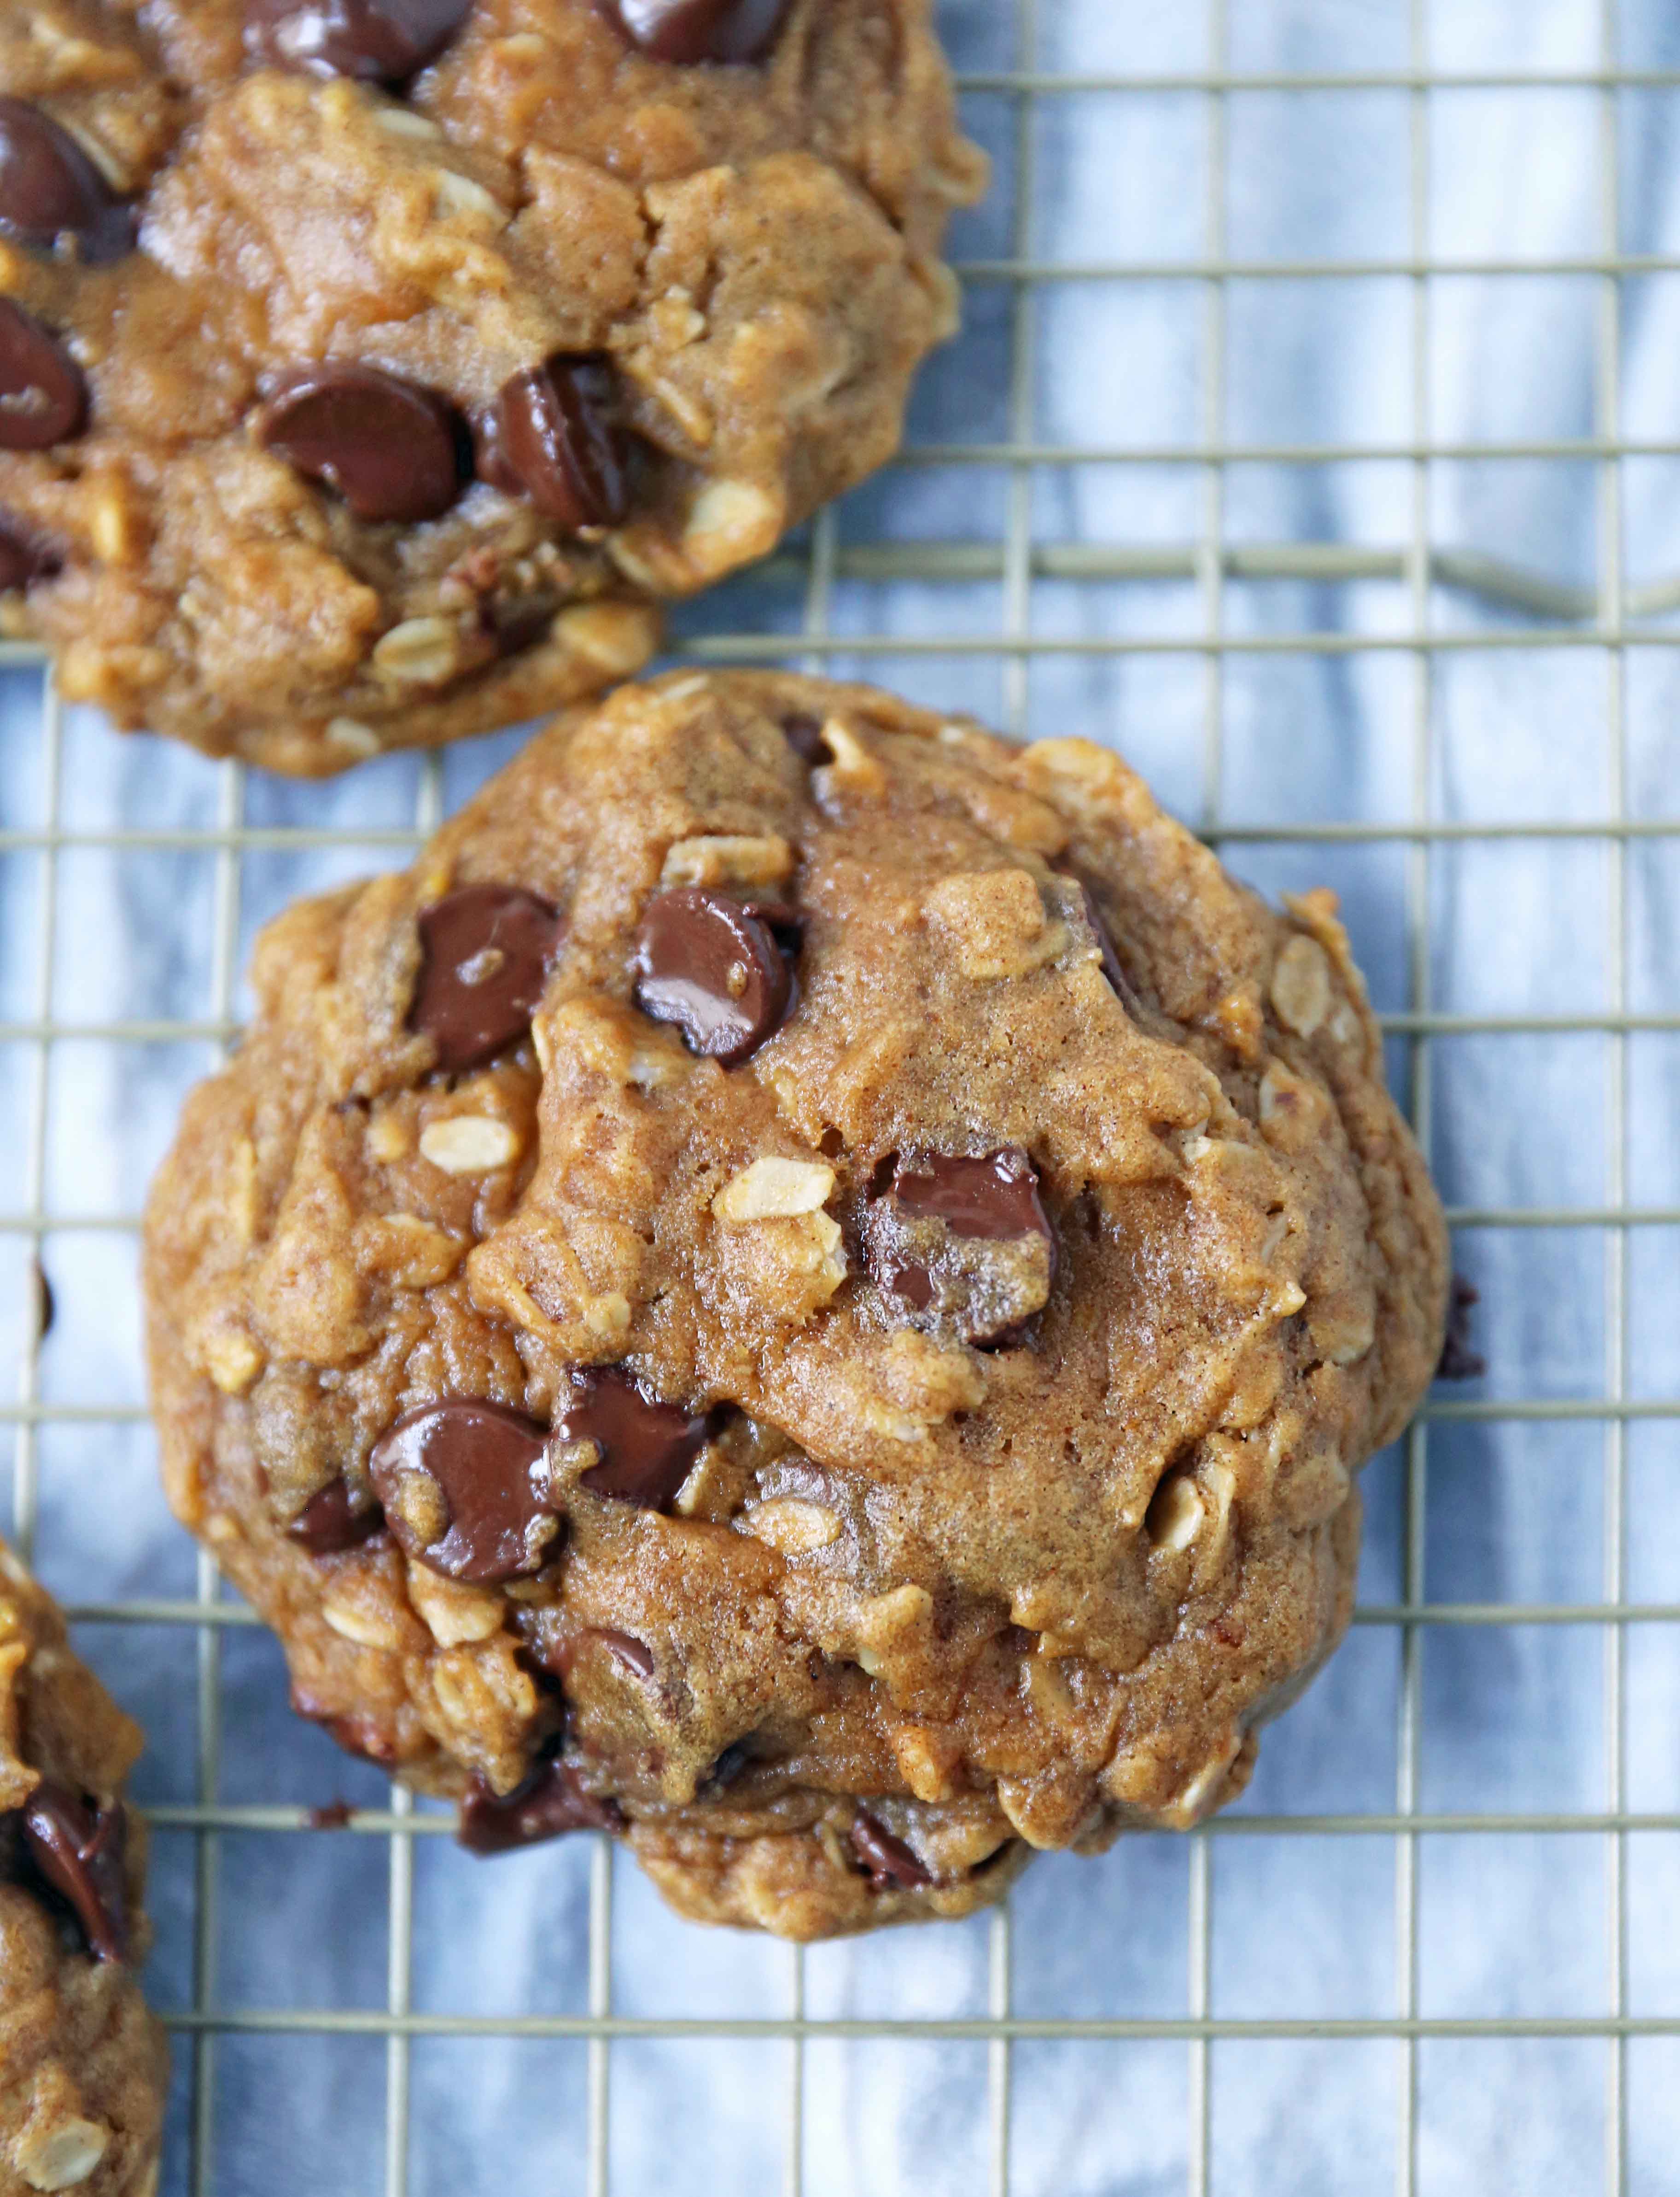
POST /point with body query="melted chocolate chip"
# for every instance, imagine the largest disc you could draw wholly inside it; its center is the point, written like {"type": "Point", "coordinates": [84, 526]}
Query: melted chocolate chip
{"type": "Point", "coordinates": [553, 437]}
{"type": "Point", "coordinates": [635, 1655]}
{"type": "Point", "coordinates": [485, 1463]}
{"type": "Point", "coordinates": [721, 968]}
{"type": "Point", "coordinates": [484, 956]}
{"type": "Point", "coordinates": [329, 1522]}
{"type": "Point", "coordinates": [76, 1847]}
{"type": "Point", "coordinates": [377, 41]}
{"type": "Point", "coordinates": [804, 735]}
{"type": "Point", "coordinates": [551, 1802]}
{"type": "Point", "coordinates": [24, 559]}
{"type": "Point", "coordinates": [50, 190]}
{"type": "Point", "coordinates": [699, 30]}
{"type": "Point", "coordinates": [390, 448]}
{"type": "Point", "coordinates": [44, 399]}
{"type": "Point", "coordinates": [924, 1213]}
{"type": "Point", "coordinates": [995, 1196]}
{"type": "Point", "coordinates": [1459, 1361]}
{"type": "Point", "coordinates": [1119, 981]}
{"type": "Point", "coordinates": [890, 1863]}
{"type": "Point", "coordinates": [907, 1278]}
{"type": "Point", "coordinates": [647, 1447]}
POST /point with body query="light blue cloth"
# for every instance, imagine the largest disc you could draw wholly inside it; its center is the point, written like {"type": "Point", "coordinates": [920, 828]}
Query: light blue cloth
{"type": "Point", "coordinates": [1514, 1718]}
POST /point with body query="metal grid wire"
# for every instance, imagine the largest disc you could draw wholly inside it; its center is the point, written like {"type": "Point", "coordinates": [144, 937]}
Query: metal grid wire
{"type": "Point", "coordinates": [1543, 614]}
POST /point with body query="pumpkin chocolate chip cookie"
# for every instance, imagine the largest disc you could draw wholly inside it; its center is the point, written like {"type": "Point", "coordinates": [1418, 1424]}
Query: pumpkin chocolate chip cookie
{"type": "Point", "coordinates": [83, 2065]}
{"type": "Point", "coordinates": [370, 369]}
{"type": "Point", "coordinates": [809, 1288]}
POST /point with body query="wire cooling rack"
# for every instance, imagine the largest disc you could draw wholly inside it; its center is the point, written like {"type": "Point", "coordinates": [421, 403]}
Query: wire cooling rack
{"type": "Point", "coordinates": [1387, 1969]}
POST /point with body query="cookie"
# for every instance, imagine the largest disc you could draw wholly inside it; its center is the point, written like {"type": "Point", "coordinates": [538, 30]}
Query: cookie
{"type": "Point", "coordinates": [83, 2066]}
{"type": "Point", "coordinates": [369, 369]}
{"type": "Point", "coordinates": [808, 1287]}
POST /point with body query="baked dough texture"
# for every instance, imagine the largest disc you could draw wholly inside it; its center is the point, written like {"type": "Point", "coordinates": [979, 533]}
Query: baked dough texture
{"type": "Point", "coordinates": [862, 1301]}
{"type": "Point", "coordinates": [83, 2066]}
{"type": "Point", "coordinates": [596, 326]}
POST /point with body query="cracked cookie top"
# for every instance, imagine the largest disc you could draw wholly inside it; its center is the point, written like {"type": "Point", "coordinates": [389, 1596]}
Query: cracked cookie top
{"type": "Point", "coordinates": [369, 366]}
{"type": "Point", "coordinates": [83, 2066]}
{"type": "Point", "coordinates": [808, 1283]}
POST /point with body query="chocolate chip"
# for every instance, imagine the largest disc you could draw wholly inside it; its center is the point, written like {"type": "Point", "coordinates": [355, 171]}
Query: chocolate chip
{"type": "Point", "coordinates": [1118, 979]}
{"type": "Point", "coordinates": [24, 558]}
{"type": "Point", "coordinates": [44, 399]}
{"type": "Point", "coordinates": [699, 30]}
{"type": "Point", "coordinates": [391, 449]}
{"type": "Point", "coordinates": [76, 1847]}
{"type": "Point", "coordinates": [995, 1196]}
{"type": "Point", "coordinates": [484, 956]}
{"type": "Point", "coordinates": [1458, 1362]}
{"type": "Point", "coordinates": [635, 1655]}
{"type": "Point", "coordinates": [465, 1489]}
{"type": "Point", "coordinates": [519, 622]}
{"type": "Point", "coordinates": [890, 1863]}
{"type": "Point", "coordinates": [551, 1802]}
{"type": "Point", "coordinates": [647, 1447]}
{"type": "Point", "coordinates": [378, 41]}
{"type": "Point", "coordinates": [553, 437]}
{"type": "Point", "coordinates": [804, 735]}
{"type": "Point", "coordinates": [329, 1521]}
{"type": "Point", "coordinates": [721, 968]}
{"type": "Point", "coordinates": [733, 1763]}
{"type": "Point", "coordinates": [331, 1816]}
{"type": "Point", "coordinates": [907, 1279]}
{"type": "Point", "coordinates": [50, 189]}
{"type": "Point", "coordinates": [930, 1228]}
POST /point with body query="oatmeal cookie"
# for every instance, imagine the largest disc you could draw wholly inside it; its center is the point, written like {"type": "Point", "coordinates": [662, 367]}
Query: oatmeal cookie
{"type": "Point", "coordinates": [810, 1287]}
{"type": "Point", "coordinates": [370, 369]}
{"type": "Point", "coordinates": [83, 2065]}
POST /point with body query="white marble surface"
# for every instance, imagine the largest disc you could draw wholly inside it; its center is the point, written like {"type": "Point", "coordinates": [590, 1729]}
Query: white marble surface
{"type": "Point", "coordinates": [1514, 1717]}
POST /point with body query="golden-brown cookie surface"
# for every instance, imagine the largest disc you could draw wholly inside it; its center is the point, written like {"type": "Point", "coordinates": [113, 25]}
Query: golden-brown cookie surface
{"type": "Point", "coordinates": [810, 1285]}
{"type": "Point", "coordinates": [369, 366]}
{"type": "Point", "coordinates": [83, 2065]}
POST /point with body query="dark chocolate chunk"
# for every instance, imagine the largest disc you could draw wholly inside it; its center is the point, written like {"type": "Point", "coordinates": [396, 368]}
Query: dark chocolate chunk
{"type": "Point", "coordinates": [24, 558]}
{"type": "Point", "coordinates": [390, 448]}
{"type": "Point", "coordinates": [647, 1447]}
{"type": "Point", "coordinates": [329, 1521]}
{"type": "Point", "coordinates": [1112, 969]}
{"type": "Point", "coordinates": [1458, 1362]}
{"type": "Point", "coordinates": [995, 1196]}
{"type": "Point", "coordinates": [553, 437]}
{"type": "Point", "coordinates": [891, 1864]}
{"type": "Point", "coordinates": [50, 189]}
{"type": "Point", "coordinates": [331, 1816]}
{"type": "Point", "coordinates": [485, 950]}
{"type": "Point", "coordinates": [44, 399]}
{"type": "Point", "coordinates": [377, 41]}
{"type": "Point", "coordinates": [76, 1847]}
{"type": "Point", "coordinates": [722, 969]}
{"type": "Point", "coordinates": [926, 1227]}
{"type": "Point", "coordinates": [699, 30]}
{"type": "Point", "coordinates": [466, 1489]}
{"type": "Point", "coordinates": [551, 1802]}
